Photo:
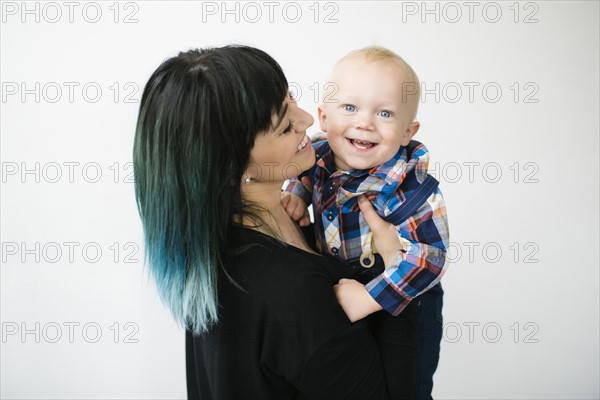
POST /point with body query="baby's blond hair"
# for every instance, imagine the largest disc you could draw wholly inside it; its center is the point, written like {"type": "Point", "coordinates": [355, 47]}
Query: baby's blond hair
{"type": "Point", "coordinates": [381, 54]}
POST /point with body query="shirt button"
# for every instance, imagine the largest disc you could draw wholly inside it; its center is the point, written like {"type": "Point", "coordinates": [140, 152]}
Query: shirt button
{"type": "Point", "coordinates": [330, 216]}
{"type": "Point", "coordinates": [335, 250]}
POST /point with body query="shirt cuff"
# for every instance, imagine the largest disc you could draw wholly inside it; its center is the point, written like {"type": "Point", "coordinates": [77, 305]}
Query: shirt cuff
{"type": "Point", "coordinates": [387, 295]}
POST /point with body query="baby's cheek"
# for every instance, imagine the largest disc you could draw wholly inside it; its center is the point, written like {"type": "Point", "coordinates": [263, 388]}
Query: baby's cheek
{"type": "Point", "coordinates": [387, 154]}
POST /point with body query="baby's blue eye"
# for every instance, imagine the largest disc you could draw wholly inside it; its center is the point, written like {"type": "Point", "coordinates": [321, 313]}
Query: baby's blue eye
{"type": "Point", "coordinates": [349, 107]}
{"type": "Point", "coordinates": [385, 114]}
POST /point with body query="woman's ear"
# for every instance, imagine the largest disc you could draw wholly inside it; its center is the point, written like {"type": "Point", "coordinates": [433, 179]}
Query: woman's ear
{"type": "Point", "coordinates": [322, 117]}
{"type": "Point", "coordinates": [410, 131]}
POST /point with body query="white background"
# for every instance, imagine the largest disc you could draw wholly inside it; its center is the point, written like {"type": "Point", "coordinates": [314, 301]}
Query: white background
{"type": "Point", "coordinates": [519, 170]}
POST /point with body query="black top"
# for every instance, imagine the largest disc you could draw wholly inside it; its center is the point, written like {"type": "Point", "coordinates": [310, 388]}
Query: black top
{"type": "Point", "coordinates": [285, 336]}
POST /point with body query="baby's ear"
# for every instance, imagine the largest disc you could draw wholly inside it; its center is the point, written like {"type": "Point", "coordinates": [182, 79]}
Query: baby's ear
{"type": "Point", "coordinates": [322, 117]}
{"type": "Point", "coordinates": [411, 131]}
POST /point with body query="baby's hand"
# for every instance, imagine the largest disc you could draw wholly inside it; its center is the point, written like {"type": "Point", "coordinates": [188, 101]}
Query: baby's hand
{"type": "Point", "coordinates": [385, 234]}
{"type": "Point", "coordinates": [295, 208]}
{"type": "Point", "coordinates": [354, 299]}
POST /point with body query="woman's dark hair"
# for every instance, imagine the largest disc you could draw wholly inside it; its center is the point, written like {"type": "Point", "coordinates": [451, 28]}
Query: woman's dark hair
{"type": "Point", "coordinates": [199, 116]}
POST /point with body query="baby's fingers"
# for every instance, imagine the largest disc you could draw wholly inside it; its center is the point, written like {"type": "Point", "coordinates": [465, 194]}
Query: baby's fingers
{"type": "Point", "coordinates": [385, 236]}
{"type": "Point", "coordinates": [375, 222]}
{"type": "Point", "coordinates": [299, 211]}
{"type": "Point", "coordinates": [285, 199]}
{"type": "Point", "coordinates": [305, 221]}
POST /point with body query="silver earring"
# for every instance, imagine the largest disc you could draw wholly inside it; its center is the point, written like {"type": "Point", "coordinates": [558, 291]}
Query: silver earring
{"type": "Point", "coordinates": [247, 180]}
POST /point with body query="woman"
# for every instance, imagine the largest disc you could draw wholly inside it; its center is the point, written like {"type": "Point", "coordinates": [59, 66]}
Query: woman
{"type": "Point", "coordinates": [217, 135]}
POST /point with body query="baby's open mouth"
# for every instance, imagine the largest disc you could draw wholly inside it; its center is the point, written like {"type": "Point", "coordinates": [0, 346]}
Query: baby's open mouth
{"type": "Point", "coordinates": [361, 144]}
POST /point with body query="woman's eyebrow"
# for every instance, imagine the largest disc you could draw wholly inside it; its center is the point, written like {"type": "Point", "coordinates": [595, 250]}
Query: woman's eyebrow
{"type": "Point", "coordinates": [282, 113]}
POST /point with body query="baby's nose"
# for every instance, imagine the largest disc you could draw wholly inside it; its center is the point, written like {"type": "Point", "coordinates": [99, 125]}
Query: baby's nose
{"type": "Point", "coordinates": [364, 121]}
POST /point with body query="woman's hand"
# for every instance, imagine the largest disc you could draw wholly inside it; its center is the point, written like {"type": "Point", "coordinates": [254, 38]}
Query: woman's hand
{"type": "Point", "coordinates": [385, 234]}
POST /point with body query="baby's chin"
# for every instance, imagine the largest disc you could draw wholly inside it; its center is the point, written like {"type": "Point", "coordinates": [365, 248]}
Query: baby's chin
{"type": "Point", "coordinates": [348, 164]}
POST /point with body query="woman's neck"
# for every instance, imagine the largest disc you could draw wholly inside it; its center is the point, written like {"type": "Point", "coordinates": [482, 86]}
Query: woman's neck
{"type": "Point", "coordinates": [267, 195]}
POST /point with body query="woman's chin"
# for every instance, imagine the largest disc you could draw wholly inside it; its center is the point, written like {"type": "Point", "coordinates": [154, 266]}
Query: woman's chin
{"type": "Point", "coordinates": [305, 160]}
{"type": "Point", "coordinates": [311, 159]}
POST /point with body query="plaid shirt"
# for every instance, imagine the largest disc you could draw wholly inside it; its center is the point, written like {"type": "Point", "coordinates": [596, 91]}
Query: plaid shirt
{"type": "Point", "coordinates": [342, 232]}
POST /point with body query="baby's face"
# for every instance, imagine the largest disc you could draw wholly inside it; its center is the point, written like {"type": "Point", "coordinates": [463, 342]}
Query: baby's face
{"type": "Point", "coordinates": [368, 120]}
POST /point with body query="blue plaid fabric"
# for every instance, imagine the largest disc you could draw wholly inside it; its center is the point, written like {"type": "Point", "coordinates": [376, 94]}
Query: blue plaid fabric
{"type": "Point", "coordinates": [342, 232]}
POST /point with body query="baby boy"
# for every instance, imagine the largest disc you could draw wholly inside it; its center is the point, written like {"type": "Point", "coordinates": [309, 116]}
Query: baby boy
{"type": "Point", "coordinates": [369, 121]}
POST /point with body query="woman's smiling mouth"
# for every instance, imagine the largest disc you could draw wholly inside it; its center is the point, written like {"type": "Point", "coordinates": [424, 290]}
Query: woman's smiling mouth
{"type": "Point", "coordinates": [303, 143]}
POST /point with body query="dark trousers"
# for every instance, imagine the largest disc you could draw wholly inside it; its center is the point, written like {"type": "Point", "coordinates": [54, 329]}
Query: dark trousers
{"type": "Point", "coordinates": [410, 342]}
{"type": "Point", "coordinates": [410, 345]}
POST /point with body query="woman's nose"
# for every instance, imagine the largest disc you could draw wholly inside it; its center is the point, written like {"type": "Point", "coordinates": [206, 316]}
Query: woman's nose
{"type": "Point", "coordinates": [305, 120]}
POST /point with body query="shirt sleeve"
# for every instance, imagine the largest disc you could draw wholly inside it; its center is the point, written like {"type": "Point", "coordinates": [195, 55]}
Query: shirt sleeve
{"type": "Point", "coordinates": [425, 237]}
{"type": "Point", "coordinates": [297, 187]}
